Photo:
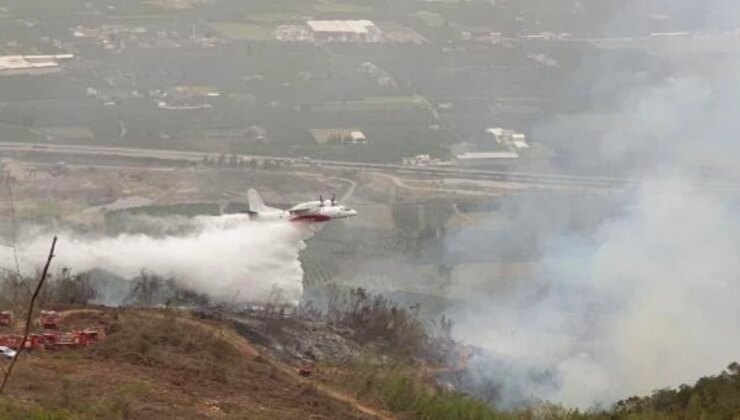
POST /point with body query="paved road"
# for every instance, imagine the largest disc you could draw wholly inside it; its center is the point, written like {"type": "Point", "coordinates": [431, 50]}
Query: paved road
{"type": "Point", "coordinates": [532, 178]}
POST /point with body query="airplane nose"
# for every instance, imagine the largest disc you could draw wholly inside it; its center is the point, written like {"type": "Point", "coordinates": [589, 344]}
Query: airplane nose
{"type": "Point", "coordinates": [352, 213]}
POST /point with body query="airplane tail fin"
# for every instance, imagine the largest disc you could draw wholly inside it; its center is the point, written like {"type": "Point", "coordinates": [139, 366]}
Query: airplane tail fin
{"type": "Point", "coordinates": [256, 205]}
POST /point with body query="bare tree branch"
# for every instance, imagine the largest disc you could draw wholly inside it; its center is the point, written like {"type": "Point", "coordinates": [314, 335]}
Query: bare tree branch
{"type": "Point", "coordinates": [13, 237]}
{"type": "Point", "coordinates": [7, 372]}
{"type": "Point", "coordinates": [14, 228]}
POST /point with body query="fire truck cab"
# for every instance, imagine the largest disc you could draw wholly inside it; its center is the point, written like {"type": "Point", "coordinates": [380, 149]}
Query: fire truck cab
{"type": "Point", "coordinates": [49, 319]}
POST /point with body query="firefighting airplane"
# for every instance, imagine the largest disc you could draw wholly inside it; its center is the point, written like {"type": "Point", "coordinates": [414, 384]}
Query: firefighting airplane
{"type": "Point", "coordinates": [308, 212]}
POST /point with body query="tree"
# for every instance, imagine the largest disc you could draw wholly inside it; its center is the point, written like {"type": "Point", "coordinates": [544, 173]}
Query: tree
{"type": "Point", "coordinates": [29, 314]}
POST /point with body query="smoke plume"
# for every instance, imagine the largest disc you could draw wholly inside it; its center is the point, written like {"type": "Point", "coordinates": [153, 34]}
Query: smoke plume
{"type": "Point", "coordinates": [231, 258]}
{"type": "Point", "coordinates": [646, 297]}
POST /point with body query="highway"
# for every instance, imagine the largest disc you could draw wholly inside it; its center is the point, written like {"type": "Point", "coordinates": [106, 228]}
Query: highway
{"type": "Point", "coordinates": [530, 178]}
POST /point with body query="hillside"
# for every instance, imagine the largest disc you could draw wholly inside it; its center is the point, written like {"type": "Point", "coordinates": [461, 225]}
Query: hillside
{"type": "Point", "coordinates": [711, 397]}
{"type": "Point", "coordinates": [155, 365]}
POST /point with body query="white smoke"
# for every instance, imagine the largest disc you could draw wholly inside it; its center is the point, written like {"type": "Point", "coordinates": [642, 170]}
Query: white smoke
{"type": "Point", "coordinates": [231, 258]}
{"type": "Point", "coordinates": [650, 297]}
{"type": "Point", "coordinates": [649, 301]}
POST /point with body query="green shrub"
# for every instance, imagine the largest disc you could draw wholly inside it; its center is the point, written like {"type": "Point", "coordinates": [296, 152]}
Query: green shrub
{"type": "Point", "coordinates": [403, 392]}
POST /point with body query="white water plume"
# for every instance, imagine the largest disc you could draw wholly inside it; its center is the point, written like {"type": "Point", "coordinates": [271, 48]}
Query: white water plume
{"type": "Point", "coordinates": [231, 258]}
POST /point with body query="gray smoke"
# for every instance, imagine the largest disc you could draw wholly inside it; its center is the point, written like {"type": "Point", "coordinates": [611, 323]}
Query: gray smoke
{"type": "Point", "coordinates": [646, 297]}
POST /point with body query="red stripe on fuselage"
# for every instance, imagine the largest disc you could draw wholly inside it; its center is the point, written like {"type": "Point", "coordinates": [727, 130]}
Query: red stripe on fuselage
{"type": "Point", "coordinates": [311, 218]}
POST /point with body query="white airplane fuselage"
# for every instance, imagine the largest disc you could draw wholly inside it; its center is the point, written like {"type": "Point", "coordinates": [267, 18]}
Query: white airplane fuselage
{"type": "Point", "coordinates": [309, 212]}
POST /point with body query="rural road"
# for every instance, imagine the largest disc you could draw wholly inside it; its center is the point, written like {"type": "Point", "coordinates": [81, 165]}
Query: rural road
{"type": "Point", "coordinates": [527, 178]}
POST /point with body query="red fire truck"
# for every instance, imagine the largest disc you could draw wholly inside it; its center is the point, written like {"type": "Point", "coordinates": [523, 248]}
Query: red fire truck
{"type": "Point", "coordinates": [49, 320]}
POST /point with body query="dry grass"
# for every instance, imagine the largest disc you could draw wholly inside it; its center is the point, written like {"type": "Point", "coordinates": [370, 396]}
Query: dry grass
{"type": "Point", "coordinates": [157, 365]}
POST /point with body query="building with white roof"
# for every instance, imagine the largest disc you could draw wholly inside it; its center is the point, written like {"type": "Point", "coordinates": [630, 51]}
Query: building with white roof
{"type": "Point", "coordinates": [358, 137]}
{"type": "Point", "coordinates": [344, 30]}
{"type": "Point", "coordinates": [508, 138]}
{"type": "Point", "coordinates": [519, 141]}
{"type": "Point", "coordinates": [12, 65]}
{"type": "Point", "coordinates": [494, 158]}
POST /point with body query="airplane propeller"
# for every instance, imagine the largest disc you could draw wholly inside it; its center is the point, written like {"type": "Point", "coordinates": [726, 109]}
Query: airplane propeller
{"type": "Point", "coordinates": [321, 201]}
{"type": "Point", "coordinates": [334, 199]}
